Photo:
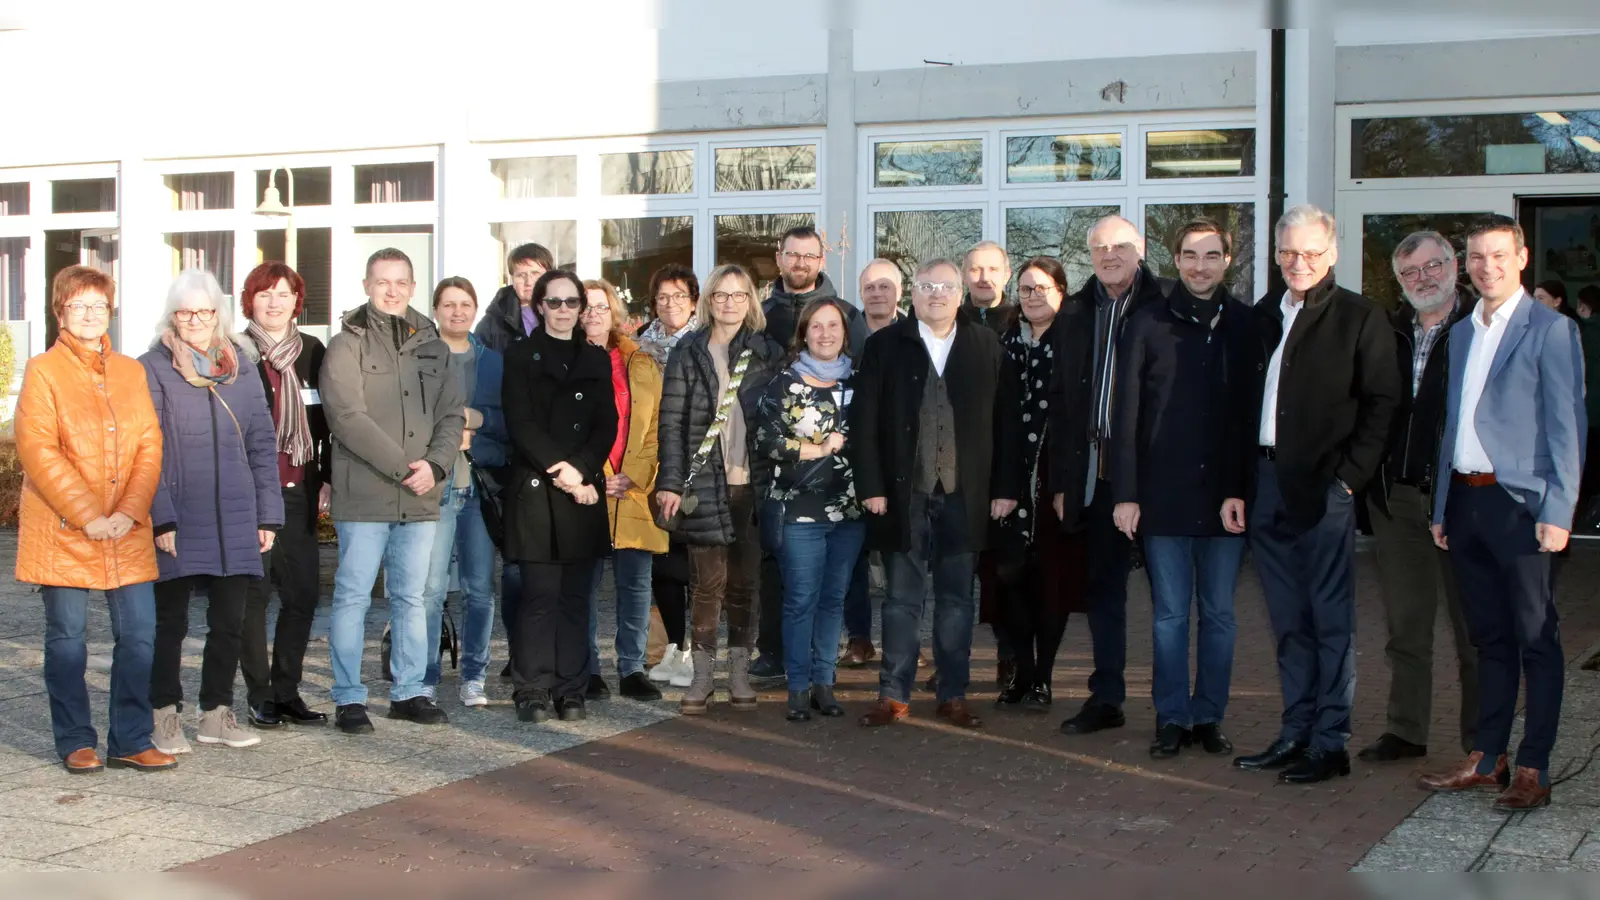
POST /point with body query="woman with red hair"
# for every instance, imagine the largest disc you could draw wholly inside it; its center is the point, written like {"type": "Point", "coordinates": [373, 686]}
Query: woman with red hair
{"type": "Point", "coordinates": [289, 361]}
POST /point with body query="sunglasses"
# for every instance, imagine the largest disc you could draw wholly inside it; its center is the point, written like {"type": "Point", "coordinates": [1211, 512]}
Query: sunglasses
{"type": "Point", "coordinates": [568, 302]}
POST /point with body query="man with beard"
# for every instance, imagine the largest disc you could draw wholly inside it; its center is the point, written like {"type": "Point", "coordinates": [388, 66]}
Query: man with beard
{"type": "Point", "coordinates": [510, 316]}
{"type": "Point", "coordinates": [1414, 574]}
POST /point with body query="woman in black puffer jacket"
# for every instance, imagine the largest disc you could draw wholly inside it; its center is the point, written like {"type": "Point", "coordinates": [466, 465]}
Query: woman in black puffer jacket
{"type": "Point", "coordinates": [724, 549]}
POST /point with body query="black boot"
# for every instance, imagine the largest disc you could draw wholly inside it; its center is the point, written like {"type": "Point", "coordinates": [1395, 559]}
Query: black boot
{"type": "Point", "coordinates": [799, 706]}
{"type": "Point", "coordinates": [822, 701]}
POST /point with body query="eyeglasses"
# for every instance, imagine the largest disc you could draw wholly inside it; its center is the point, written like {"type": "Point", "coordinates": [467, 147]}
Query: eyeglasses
{"type": "Point", "coordinates": [595, 309]}
{"type": "Point", "coordinates": [676, 299]}
{"type": "Point", "coordinates": [794, 257]}
{"type": "Point", "coordinates": [1043, 290]}
{"type": "Point", "coordinates": [81, 309]}
{"type": "Point", "coordinates": [568, 302]}
{"type": "Point", "coordinates": [1429, 269]}
{"type": "Point", "coordinates": [1287, 257]}
{"type": "Point", "coordinates": [526, 277]}
{"type": "Point", "coordinates": [190, 315]}
{"type": "Point", "coordinates": [944, 288]}
{"type": "Point", "coordinates": [1108, 249]}
{"type": "Point", "coordinates": [1212, 257]}
{"type": "Point", "coordinates": [730, 296]}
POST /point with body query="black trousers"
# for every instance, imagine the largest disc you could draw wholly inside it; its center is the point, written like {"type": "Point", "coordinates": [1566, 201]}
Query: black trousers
{"type": "Point", "coordinates": [1110, 558]}
{"type": "Point", "coordinates": [294, 565]}
{"type": "Point", "coordinates": [550, 644]}
{"type": "Point", "coordinates": [224, 618]}
{"type": "Point", "coordinates": [769, 621]}
{"type": "Point", "coordinates": [669, 583]}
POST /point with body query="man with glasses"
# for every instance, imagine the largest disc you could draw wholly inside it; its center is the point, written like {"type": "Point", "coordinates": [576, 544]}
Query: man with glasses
{"type": "Point", "coordinates": [510, 316]}
{"type": "Point", "coordinates": [395, 407]}
{"type": "Point", "coordinates": [1413, 573]}
{"type": "Point", "coordinates": [1082, 403]}
{"type": "Point", "coordinates": [1327, 388]}
{"type": "Point", "coordinates": [926, 483]}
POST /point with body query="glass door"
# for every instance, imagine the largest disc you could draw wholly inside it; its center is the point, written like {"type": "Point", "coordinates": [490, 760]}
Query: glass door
{"type": "Point", "coordinates": [1373, 223]}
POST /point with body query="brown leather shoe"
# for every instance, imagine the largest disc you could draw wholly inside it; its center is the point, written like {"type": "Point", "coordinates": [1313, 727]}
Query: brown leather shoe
{"type": "Point", "coordinates": [958, 714]}
{"type": "Point", "coordinates": [858, 652]}
{"type": "Point", "coordinates": [145, 761]}
{"type": "Point", "coordinates": [884, 712]}
{"type": "Point", "coordinates": [83, 761]}
{"type": "Point", "coordinates": [1525, 792]}
{"type": "Point", "coordinates": [1465, 776]}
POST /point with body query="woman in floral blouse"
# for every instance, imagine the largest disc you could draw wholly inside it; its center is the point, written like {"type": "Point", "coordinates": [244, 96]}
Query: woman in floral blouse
{"type": "Point", "coordinates": [800, 423]}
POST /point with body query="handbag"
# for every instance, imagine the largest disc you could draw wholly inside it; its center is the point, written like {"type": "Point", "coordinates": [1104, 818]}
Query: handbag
{"type": "Point", "coordinates": [689, 501]}
{"type": "Point", "coordinates": [773, 512]}
{"type": "Point", "coordinates": [490, 504]}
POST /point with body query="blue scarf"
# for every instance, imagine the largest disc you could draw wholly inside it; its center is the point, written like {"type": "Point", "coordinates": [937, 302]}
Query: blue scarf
{"type": "Point", "coordinates": [831, 370]}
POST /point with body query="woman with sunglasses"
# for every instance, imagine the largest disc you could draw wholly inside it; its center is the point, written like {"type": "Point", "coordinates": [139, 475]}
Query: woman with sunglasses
{"type": "Point", "coordinates": [561, 414]}
{"type": "Point", "coordinates": [713, 378]}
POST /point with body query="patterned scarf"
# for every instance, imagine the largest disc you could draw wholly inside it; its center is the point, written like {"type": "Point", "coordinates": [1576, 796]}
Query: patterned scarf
{"type": "Point", "coordinates": [656, 342]}
{"type": "Point", "coordinates": [294, 429]}
{"type": "Point", "coordinates": [219, 365]}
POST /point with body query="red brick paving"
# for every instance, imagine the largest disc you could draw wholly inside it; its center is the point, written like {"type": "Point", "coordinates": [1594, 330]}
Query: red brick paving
{"type": "Point", "coordinates": [749, 791]}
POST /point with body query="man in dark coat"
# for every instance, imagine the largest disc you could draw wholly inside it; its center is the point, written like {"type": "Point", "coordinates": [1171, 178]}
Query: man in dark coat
{"type": "Point", "coordinates": [926, 482]}
{"type": "Point", "coordinates": [1325, 364]}
{"type": "Point", "coordinates": [510, 316]}
{"type": "Point", "coordinates": [1084, 404]}
{"type": "Point", "coordinates": [987, 272]}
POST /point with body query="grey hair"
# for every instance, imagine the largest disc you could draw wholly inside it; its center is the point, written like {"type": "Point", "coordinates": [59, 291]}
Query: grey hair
{"type": "Point", "coordinates": [1414, 242]}
{"type": "Point", "coordinates": [899, 276]}
{"type": "Point", "coordinates": [1104, 220]}
{"type": "Point", "coordinates": [191, 281]}
{"type": "Point", "coordinates": [932, 264]}
{"type": "Point", "coordinates": [987, 245]}
{"type": "Point", "coordinates": [1302, 215]}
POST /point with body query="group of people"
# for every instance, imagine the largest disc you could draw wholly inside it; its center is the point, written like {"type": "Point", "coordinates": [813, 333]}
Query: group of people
{"type": "Point", "coordinates": [743, 455]}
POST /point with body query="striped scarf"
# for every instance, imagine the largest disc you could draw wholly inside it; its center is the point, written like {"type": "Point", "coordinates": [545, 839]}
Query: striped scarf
{"type": "Point", "coordinates": [294, 429]}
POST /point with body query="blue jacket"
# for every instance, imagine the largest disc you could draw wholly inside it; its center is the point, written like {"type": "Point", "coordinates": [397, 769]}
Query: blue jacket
{"type": "Point", "coordinates": [491, 443]}
{"type": "Point", "coordinates": [1531, 418]}
{"type": "Point", "coordinates": [219, 480]}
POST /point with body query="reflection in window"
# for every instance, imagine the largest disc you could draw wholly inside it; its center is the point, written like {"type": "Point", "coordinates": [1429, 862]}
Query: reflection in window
{"type": "Point", "coordinates": [910, 237]}
{"type": "Point", "coordinates": [209, 250]}
{"type": "Point", "coordinates": [791, 168]}
{"type": "Point", "coordinates": [1058, 231]}
{"type": "Point", "coordinates": [1162, 221]}
{"type": "Point", "coordinates": [314, 262]}
{"type": "Point", "coordinates": [1554, 143]}
{"type": "Point", "coordinates": [647, 172]}
{"type": "Point", "coordinates": [1037, 159]}
{"type": "Point", "coordinates": [1380, 234]}
{"type": "Point", "coordinates": [927, 163]}
{"type": "Point", "coordinates": [84, 195]}
{"type": "Point", "coordinates": [394, 183]}
{"type": "Point", "coordinates": [752, 242]}
{"type": "Point", "coordinates": [560, 237]}
{"type": "Point", "coordinates": [537, 176]}
{"type": "Point", "coordinates": [312, 187]}
{"type": "Point", "coordinates": [13, 299]}
{"type": "Point", "coordinates": [630, 249]}
{"type": "Point", "coordinates": [14, 199]}
{"type": "Point", "coordinates": [201, 190]}
{"type": "Point", "coordinates": [1202, 153]}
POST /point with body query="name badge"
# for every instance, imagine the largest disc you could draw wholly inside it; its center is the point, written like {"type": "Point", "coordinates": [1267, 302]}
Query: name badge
{"type": "Point", "coordinates": [310, 396]}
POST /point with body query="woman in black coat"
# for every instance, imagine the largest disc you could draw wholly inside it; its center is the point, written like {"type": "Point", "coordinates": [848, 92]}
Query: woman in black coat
{"type": "Point", "coordinates": [717, 479]}
{"type": "Point", "coordinates": [562, 417]}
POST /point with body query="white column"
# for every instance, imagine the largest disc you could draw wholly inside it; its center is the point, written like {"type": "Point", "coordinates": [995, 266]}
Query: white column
{"type": "Point", "coordinates": [144, 266]}
{"type": "Point", "coordinates": [839, 155]}
{"type": "Point", "coordinates": [1309, 105]}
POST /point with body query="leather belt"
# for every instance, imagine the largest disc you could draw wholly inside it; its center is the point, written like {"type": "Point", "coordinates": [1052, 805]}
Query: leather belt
{"type": "Point", "coordinates": [1269, 452]}
{"type": "Point", "coordinates": [1474, 479]}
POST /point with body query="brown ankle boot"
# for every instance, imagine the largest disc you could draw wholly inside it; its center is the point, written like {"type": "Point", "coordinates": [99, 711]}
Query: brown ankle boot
{"type": "Point", "coordinates": [1465, 776]}
{"type": "Point", "coordinates": [1525, 792]}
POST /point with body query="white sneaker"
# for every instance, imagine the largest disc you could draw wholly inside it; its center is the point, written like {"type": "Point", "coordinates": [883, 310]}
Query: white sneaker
{"type": "Point", "coordinates": [662, 671]}
{"type": "Point", "coordinates": [167, 731]}
{"type": "Point", "coordinates": [472, 694]}
{"type": "Point", "coordinates": [220, 726]}
{"type": "Point", "coordinates": [683, 676]}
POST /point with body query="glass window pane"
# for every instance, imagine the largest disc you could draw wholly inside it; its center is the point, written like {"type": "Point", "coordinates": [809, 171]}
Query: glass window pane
{"type": "Point", "coordinates": [396, 183]}
{"type": "Point", "coordinates": [13, 299]}
{"type": "Point", "coordinates": [928, 163]}
{"type": "Point", "coordinates": [314, 262]}
{"type": "Point", "coordinates": [312, 187]}
{"type": "Point", "coordinates": [752, 241]}
{"type": "Point", "coordinates": [209, 250]}
{"type": "Point", "coordinates": [536, 176]}
{"type": "Point", "coordinates": [791, 168]}
{"type": "Point", "coordinates": [14, 199]}
{"type": "Point", "coordinates": [647, 172]}
{"type": "Point", "coordinates": [203, 190]}
{"type": "Point", "coordinates": [1202, 153]}
{"type": "Point", "coordinates": [1555, 143]}
{"type": "Point", "coordinates": [1058, 231]}
{"type": "Point", "coordinates": [84, 195]}
{"type": "Point", "coordinates": [1047, 158]}
{"type": "Point", "coordinates": [1162, 221]}
{"type": "Point", "coordinates": [1563, 242]}
{"type": "Point", "coordinates": [560, 237]}
{"type": "Point", "coordinates": [1380, 234]}
{"type": "Point", "coordinates": [913, 236]}
{"type": "Point", "coordinates": [630, 249]}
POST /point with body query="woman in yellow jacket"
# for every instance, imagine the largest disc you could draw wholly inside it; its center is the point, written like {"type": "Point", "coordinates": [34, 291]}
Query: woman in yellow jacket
{"type": "Point", "coordinates": [90, 447]}
{"type": "Point", "coordinates": [630, 479]}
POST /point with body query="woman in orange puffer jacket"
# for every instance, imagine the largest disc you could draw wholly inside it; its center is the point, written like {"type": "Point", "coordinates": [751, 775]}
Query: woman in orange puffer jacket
{"type": "Point", "coordinates": [90, 447]}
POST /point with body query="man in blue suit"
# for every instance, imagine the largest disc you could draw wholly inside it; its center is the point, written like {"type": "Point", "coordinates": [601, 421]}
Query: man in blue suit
{"type": "Point", "coordinates": [1513, 443]}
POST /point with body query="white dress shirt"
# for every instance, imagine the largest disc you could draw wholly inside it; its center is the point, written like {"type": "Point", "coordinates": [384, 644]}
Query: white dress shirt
{"type": "Point", "coordinates": [1469, 454]}
{"type": "Point", "coordinates": [938, 347]}
{"type": "Point", "coordinates": [1269, 396]}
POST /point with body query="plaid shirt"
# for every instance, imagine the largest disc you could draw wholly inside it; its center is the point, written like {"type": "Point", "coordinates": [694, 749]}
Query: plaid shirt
{"type": "Point", "coordinates": [1423, 341]}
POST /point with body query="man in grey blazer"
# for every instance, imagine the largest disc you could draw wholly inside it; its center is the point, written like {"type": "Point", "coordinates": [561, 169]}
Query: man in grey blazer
{"type": "Point", "coordinates": [1513, 444]}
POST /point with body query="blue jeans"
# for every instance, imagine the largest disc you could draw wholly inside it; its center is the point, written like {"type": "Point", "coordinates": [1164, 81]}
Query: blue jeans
{"type": "Point", "coordinates": [819, 562]}
{"type": "Point", "coordinates": [939, 547]}
{"type": "Point", "coordinates": [1181, 569]}
{"type": "Point", "coordinates": [133, 628]}
{"type": "Point", "coordinates": [403, 551]}
{"type": "Point", "coordinates": [463, 539]}
{"type": "Point", "coordinates": [631, 575]}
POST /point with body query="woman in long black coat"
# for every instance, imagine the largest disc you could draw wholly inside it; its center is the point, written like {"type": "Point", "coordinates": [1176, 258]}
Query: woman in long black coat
{"type": "Point", "coordinates": [562, 416]}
